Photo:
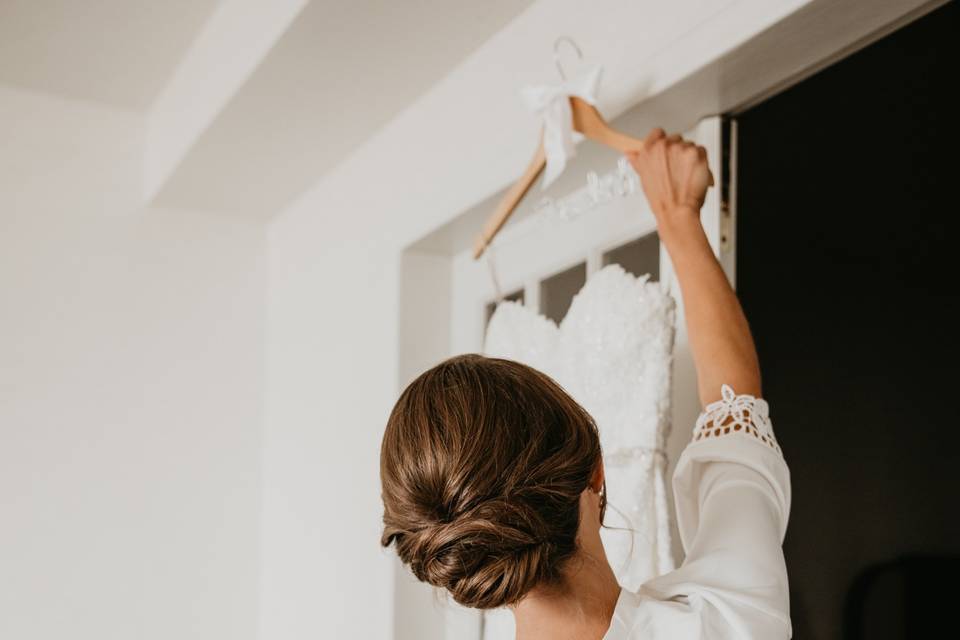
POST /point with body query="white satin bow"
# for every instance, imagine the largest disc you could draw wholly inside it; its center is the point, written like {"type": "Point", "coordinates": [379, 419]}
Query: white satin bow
{"type": "Point", "coordinates": [552, 104]}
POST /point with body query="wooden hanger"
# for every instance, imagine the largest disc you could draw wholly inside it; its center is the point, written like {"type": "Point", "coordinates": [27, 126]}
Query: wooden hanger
{"type": "Point", "coordinates": [588, 121]}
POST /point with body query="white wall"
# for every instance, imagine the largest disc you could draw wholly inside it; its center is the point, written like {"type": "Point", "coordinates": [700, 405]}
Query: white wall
{"type": "Point", "coordinates": [131, 375]}
{"type": "Point", "coordinates": [332, 367]}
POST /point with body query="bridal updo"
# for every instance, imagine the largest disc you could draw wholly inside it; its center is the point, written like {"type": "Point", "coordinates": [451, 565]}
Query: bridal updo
{"type": "Point", "coordinates": [482, 465]}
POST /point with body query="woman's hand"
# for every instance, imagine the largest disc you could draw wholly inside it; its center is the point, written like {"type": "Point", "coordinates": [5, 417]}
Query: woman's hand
{"type": "Point", "coordinates": [674, 175]}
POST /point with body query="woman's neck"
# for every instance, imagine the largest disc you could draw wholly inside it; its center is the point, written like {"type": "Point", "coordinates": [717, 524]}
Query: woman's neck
{"type": "Point", "coordinates": [584, 611]}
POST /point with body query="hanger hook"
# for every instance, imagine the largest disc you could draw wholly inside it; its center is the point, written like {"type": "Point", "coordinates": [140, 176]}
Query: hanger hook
{"type": "Point", "coordinates": [556, 53]}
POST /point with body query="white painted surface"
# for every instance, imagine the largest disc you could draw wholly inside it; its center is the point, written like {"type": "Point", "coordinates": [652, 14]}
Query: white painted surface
{"type": "Point", "coordinates": [231, 44]}
{"type": "Point", "coordinates": [331, 373]}
{"type": "Point", "coordinates": [117, 52]}
{"type": "Point", "coordinates": [131, 374]}
{"type": "Point", "coordinates": [340, 72]}
{"type": "Point", "coordinates": [470, 132]}
{"type": "Point", "coordinates": [424, 340]}
{"type": "Point", "coordinates": [344, 76]}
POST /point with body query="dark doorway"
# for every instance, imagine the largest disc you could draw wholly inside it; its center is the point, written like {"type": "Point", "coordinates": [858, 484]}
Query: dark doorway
{"type": "Point", "coordinates": [847, 241]}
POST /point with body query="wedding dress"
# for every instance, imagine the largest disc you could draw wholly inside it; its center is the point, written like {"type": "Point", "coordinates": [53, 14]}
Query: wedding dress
{"type": "Point", "coordinates": [612, 353]}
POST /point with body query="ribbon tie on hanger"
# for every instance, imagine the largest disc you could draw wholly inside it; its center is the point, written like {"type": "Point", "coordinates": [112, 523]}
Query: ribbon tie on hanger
{"type": "Point", "coordinates": [552, 104]}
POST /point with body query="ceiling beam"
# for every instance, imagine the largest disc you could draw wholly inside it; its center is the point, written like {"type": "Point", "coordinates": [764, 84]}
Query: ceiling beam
{"type": "Point", "coordinates": [227, 50]}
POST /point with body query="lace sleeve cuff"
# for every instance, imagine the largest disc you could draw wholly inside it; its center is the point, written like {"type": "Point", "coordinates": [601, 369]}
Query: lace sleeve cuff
{"type": "Point", "coordinates": [732, 414]}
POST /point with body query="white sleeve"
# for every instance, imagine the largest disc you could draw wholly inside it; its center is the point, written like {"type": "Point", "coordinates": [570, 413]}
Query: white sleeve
{"type": "Point", "coordinates": [732, 495]}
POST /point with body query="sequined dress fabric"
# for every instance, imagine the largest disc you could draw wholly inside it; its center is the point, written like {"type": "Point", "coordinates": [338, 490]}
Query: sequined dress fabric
{"type": "Point", "coordinates": [612, 353]}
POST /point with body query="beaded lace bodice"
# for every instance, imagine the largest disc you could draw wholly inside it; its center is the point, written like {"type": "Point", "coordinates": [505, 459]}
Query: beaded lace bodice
{"type": "Point", "coordinates": [613, 354]}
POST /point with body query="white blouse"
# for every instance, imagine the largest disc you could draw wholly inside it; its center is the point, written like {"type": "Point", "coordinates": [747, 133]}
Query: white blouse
{"type": "Point", "coordinates": [732, 496]}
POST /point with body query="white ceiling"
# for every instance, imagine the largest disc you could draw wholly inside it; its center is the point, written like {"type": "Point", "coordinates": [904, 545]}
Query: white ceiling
{"type": "Point", "coordinates": [117, 52]}
{"type": "Point", "coordinates": [340, 73]}
{"type": "Point", "coordinates": [344, 70]}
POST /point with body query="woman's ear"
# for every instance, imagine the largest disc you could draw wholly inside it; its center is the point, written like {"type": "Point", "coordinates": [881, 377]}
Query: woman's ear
{"type": "Point", "coordinates": [596, 480]}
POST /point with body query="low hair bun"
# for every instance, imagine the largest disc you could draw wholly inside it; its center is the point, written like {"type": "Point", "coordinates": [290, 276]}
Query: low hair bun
{"type": "Point", "coordinates": [487, 558]}
{"type": "Point", "coordinates": [482, 467]}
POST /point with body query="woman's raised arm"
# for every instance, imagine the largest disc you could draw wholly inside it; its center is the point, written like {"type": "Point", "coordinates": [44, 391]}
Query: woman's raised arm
{"type": "Point", "coordinates": [675, 179]}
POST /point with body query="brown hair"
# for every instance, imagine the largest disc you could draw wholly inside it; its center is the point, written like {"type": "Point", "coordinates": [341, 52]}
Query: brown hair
{"type": "Point", "coordinates": [482, 466]}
